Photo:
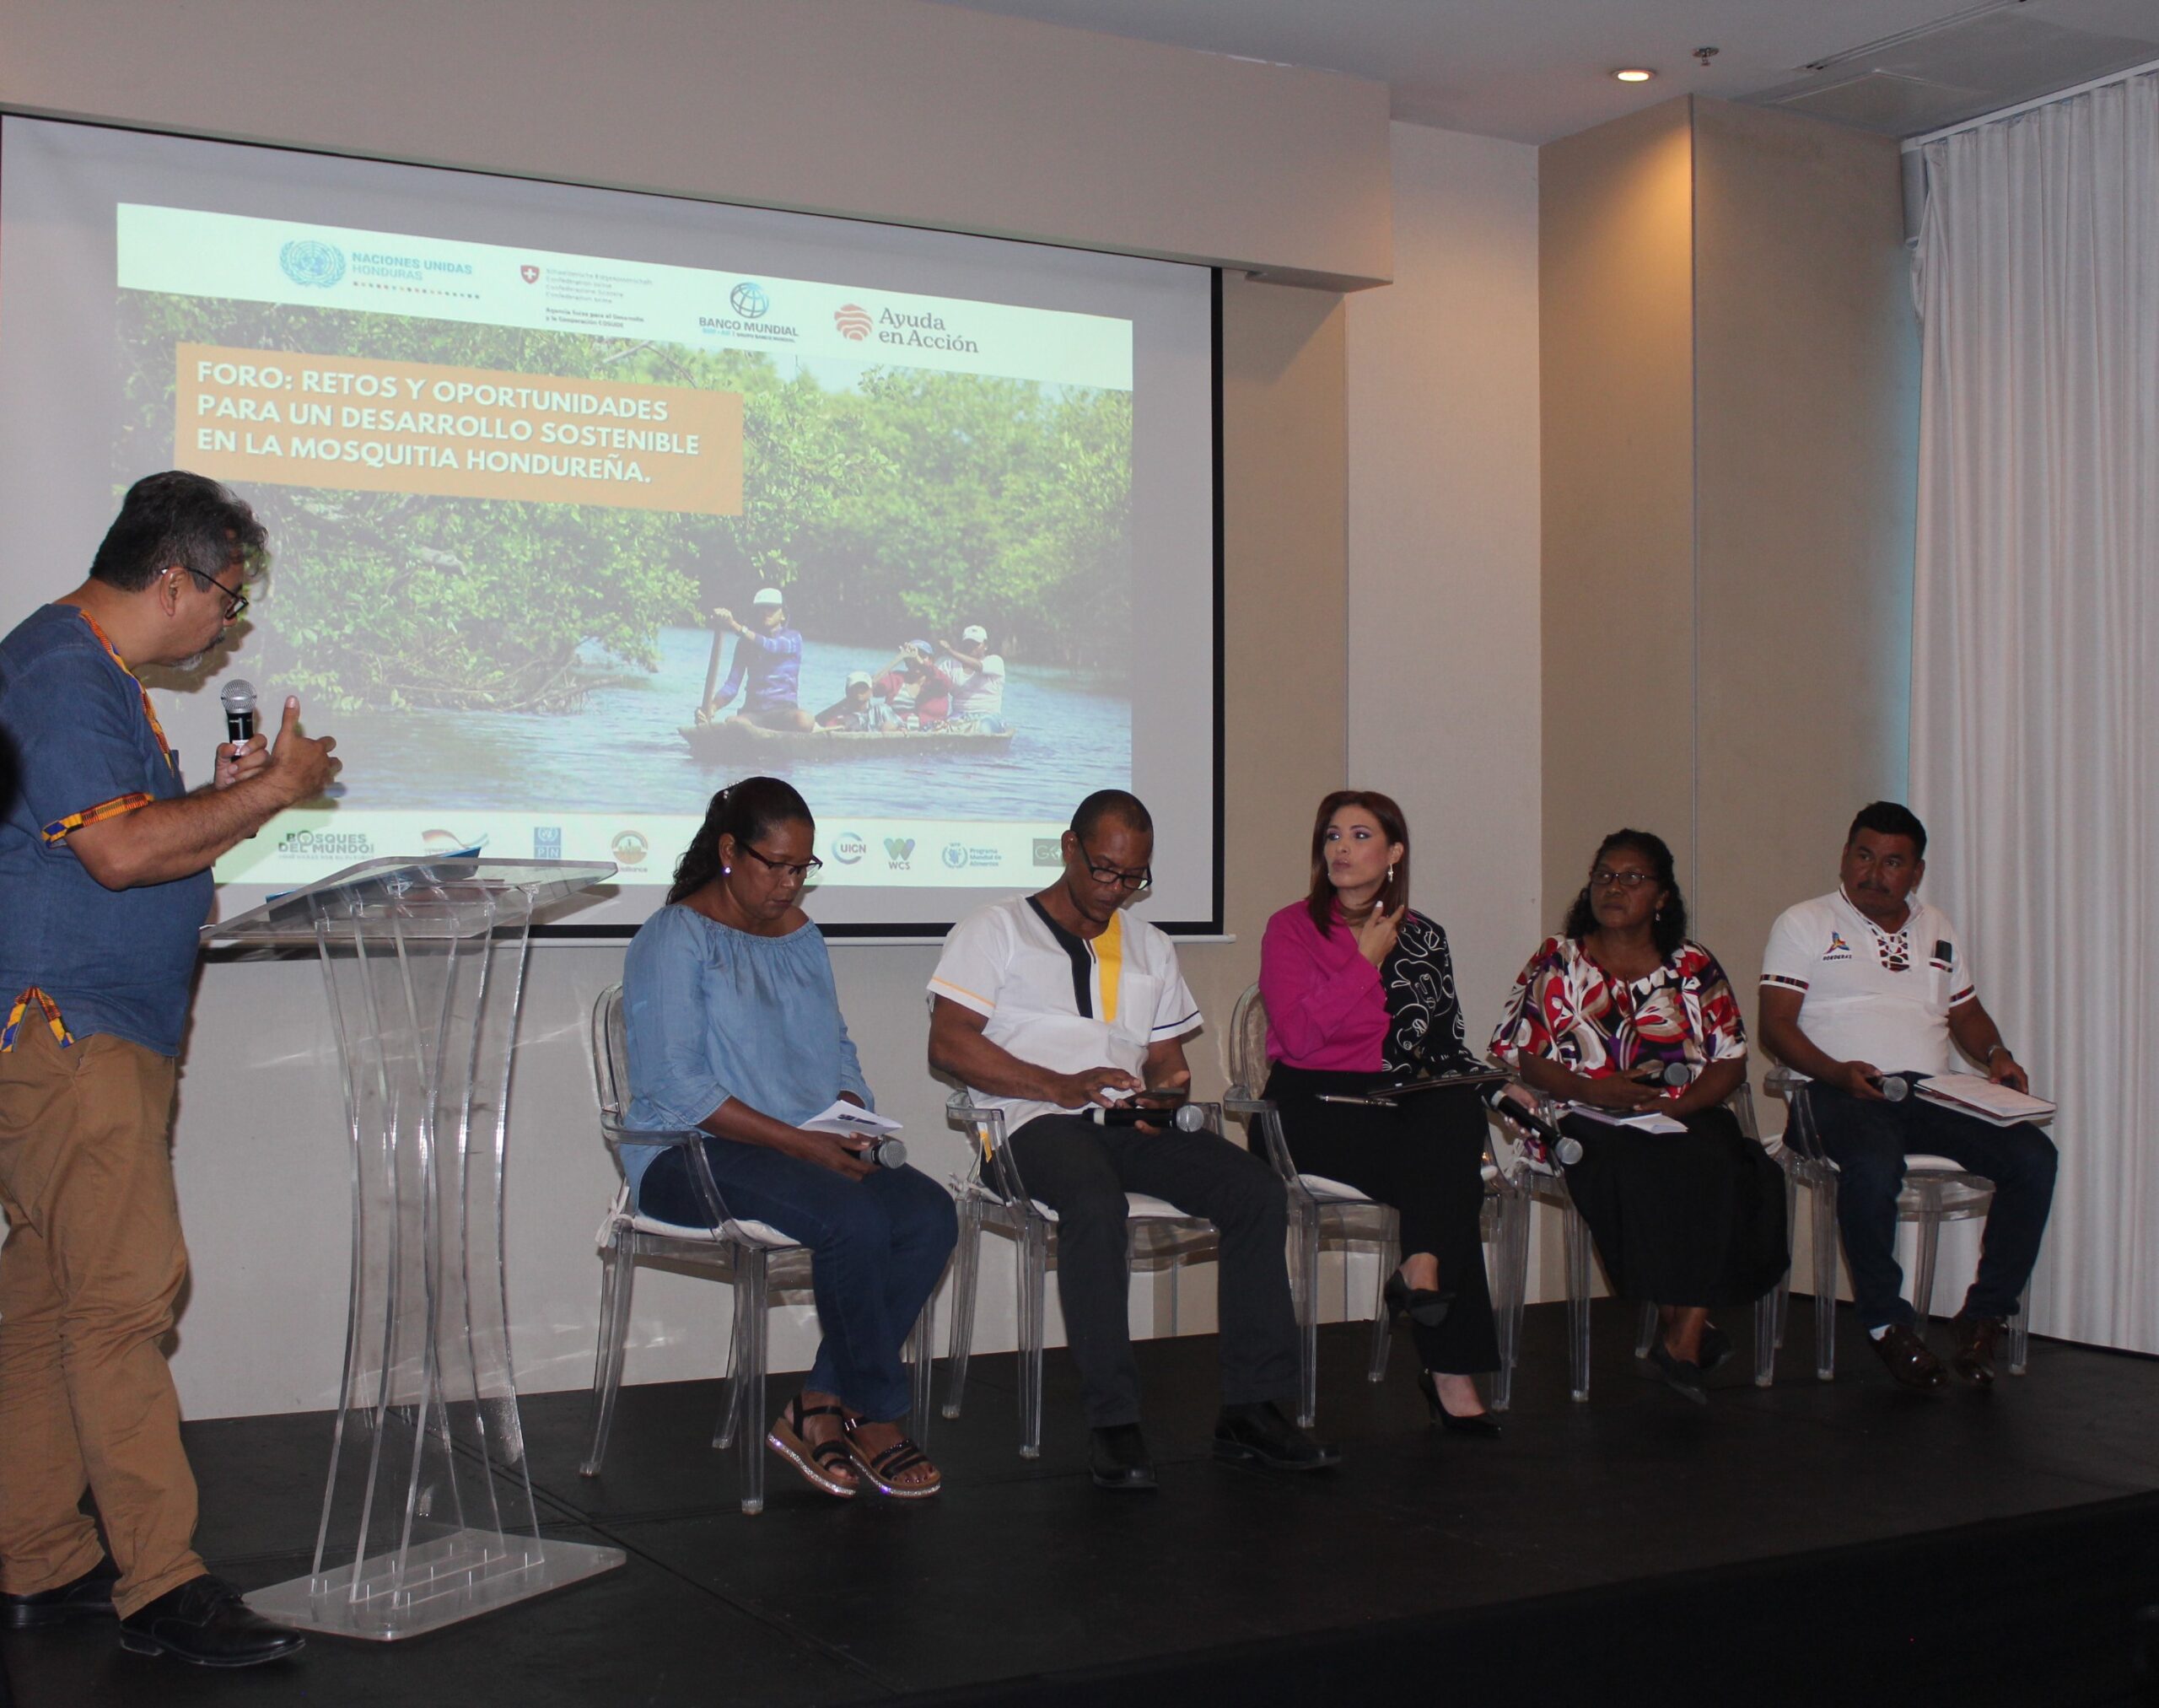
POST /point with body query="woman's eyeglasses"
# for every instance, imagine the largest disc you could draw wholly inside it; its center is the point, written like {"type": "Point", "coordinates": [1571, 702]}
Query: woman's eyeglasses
{"type": "Point", "coordinates": [1604, 878]}
{"type": "Point", "coordinates": [796, 868]}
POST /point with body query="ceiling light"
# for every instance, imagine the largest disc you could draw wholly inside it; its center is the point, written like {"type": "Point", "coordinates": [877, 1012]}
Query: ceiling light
{"type": "Point", "coordinates": [1635, 75]}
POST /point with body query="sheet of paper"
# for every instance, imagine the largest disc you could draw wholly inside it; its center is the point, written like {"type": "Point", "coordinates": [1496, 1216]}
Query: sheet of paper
{"type": "Point", "coordinates": [1986, 1099]}
{"type": "Point", "coordinates": [1648, 1121]}
{"type": "Point", "coordinates": [845, 1118]}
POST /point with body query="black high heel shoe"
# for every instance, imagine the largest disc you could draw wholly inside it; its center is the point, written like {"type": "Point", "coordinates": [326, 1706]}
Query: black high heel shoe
{"type": "Point", "coordinates": [1420, 1305]}
{"type": "Point", "coordinates": [1474, 1423]}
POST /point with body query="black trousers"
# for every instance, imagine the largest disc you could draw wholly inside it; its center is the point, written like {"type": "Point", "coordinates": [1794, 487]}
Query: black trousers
{"type": "Point", "coordinates": [1082, 1170]}
{"type": "Point", "coordinates": [1688, 1219]}
{"type": "Point", "coordinates": [1425, 1158]}
{"type": "Point", "coordinates": [1868, 1141]}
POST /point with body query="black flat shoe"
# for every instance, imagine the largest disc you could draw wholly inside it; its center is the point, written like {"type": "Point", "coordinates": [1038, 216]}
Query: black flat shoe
{"type": "Point", "coordinates": [1117, 1458]}
{"type": "Point", "coordinates": [1260, 1435]}
{"type": "Point", "coordinates": [89, 1597]}
{"type": "Point", "coordinates": [1683, 1376]}
{"type": "Point", "coordinates": [1420, 1305]}
{"type": "Point", "coordinates": [1466, 1423]}
{"type": "Point", "coordinates": [1716, 1348]}
{"type": "Point", "coordinates": [205, 1622]}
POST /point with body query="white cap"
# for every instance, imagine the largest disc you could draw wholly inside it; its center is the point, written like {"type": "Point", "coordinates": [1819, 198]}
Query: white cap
{"type": "Point", "coordinates": [769, 597]}
{"type": "Point", "coordinates": [975, 631]}
{"type": "Point", "coordinates": [858, 676]}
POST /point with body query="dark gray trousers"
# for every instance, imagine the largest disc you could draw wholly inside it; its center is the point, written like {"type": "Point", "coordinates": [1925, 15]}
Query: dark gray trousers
{"type": "Point", "coordinates": [1082, 1170]}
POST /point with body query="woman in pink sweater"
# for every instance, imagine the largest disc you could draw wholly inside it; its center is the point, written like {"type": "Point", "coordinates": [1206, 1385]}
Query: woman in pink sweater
{"type": "Point", "coordinates": [1359, 992]}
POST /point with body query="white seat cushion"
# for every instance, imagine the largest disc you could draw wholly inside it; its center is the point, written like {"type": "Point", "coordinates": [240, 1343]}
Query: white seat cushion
{"type": "Point", "coordinates": [1333, 1191]}
{"type": "Point", "coordinates": [756, 1232]}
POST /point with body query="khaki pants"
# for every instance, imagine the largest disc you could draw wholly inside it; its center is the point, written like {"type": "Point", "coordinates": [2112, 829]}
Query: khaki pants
{"type": "Point", "coordinates": [92, 1266]}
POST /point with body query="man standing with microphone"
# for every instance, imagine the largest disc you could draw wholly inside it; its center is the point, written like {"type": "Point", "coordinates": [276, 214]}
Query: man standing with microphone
{"type": "Point", "coordinates": [104, 868]}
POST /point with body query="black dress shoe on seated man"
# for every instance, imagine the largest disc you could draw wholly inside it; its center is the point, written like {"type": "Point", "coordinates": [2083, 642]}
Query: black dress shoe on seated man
{"type": "Point", "coordinates": [1910, 1361]}
{"type": "Point", "coordinates": [1116, 1457]}
{"type": "Point", "coordinates": [1260, 1435]}
{"type": "Point", "coordinates": [205, 1622]}
{"type": "Point", "coordinates": [89, 1597]}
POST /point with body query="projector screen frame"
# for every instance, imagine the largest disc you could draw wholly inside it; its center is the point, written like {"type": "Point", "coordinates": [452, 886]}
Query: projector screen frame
{"type": "Point", "coordinates": [1211, 925]}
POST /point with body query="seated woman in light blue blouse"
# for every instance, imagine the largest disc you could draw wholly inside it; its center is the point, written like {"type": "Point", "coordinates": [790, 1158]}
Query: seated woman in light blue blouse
{"type": "Point", "coordinates": [734, 1028]}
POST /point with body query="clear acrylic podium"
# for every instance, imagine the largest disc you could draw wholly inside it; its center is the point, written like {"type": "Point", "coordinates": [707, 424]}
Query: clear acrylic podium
{"type": "Point", "coordinates": [428, 1517]}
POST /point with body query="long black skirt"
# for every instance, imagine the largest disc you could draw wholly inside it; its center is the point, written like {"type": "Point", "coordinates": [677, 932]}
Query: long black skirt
{"type": "Point", "coordinates": [1425, 1158]}
{"type": "Point", "coordinates": [1692, 1218]}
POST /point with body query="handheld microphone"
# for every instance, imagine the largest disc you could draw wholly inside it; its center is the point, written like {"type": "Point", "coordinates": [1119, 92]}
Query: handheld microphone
{"type": "Point", "coordinates": [889, 1151]}
{"type": "Point", "coordinates": [1561, 1148]}
{"type": "Point", "coordinates": [1678, 1073]}
{"type": "Point", "coordinates": [1186, 1118]}
{"type": "Point", "coordinates": [239, 698]}
{"type": "Point", "coordinates": [1893, 1086]}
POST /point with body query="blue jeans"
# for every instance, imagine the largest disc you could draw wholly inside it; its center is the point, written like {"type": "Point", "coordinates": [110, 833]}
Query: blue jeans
{"type": "Point", "coordinates": [1869, 1141]}
{"type": "Point", "coordinates": [877, 1245]}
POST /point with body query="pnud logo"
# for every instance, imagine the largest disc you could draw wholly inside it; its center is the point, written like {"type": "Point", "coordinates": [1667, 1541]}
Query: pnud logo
{"type": "Point", "coordinates": [853, 321]}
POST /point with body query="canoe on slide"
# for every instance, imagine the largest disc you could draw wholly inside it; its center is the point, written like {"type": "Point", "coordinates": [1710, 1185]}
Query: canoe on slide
{"type": "Point", "coordinates": [725, 741]}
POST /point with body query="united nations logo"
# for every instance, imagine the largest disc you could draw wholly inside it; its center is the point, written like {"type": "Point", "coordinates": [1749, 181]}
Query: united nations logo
{"type": "Point", "coordinates": [750, 300]}
{"type": "Point", "coordinates": [309, 262]}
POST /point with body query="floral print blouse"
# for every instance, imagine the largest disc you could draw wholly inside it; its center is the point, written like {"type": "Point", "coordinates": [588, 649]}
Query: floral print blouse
{"type": "Point", "coordinates": [1566, 1007]}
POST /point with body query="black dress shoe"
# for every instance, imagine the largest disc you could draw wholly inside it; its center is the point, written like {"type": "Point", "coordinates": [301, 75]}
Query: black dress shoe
{"type": "Point", "coordinates": [1908, 1360]}
{"type": "Point", "coordinates": [1260, 1435]}
{"type": "Point", "coordinates": [1117, 1458]}
{"type": "Point", "coordinates": [205, 1622]}
{"type": "Point", "coordinates": [1715, 1350]}
{"type": "Point", "coordinates": [1466, 1423]}
{"type": "Point", "coordinates": [1420, 1305]}
{"type": "Point", "coordinates": [89, 1597]}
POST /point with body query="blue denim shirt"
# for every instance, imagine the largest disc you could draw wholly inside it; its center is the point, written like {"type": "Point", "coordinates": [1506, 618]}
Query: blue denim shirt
{"type": "Point", "coordinates": [773, 666]}
{"type": "Point", "coordinates": [81, 748]}
{"type": "Point", "coordinates": [713, 1013]}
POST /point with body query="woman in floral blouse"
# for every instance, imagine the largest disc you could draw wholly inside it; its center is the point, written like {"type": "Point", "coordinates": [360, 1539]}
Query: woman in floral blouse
{"type": "Point", "coordinates": [1691, 1219]}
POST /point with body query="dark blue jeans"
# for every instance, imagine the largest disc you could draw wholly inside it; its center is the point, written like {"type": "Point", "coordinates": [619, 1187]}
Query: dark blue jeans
{"type": "Point", "coordinates": [1869, 1141]}
{"type": "Point", "coordinates": [877, 1248]}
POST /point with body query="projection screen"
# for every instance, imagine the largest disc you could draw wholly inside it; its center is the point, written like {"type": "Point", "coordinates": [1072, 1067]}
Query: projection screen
{"type": "Point", "coordinates": [538, 460]}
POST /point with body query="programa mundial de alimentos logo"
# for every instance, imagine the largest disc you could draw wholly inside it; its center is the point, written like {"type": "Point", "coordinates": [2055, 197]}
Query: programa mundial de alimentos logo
{"type": "Point", "coordinates": [308, 261]}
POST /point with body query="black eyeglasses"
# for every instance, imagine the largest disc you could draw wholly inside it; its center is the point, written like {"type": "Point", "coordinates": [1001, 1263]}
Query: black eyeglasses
{"type": "Point", "coordinates": [800, 869]}
{"type": "Point", "coordinates": [1604, 878]}
{"type": "Point", "coordinates": [236, 601]}
{"type": "Point", "coordinates": [1133, 882]}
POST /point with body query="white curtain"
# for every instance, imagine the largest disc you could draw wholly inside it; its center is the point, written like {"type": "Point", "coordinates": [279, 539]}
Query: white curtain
{"type": "Point", "coordinates": [2035, 681]}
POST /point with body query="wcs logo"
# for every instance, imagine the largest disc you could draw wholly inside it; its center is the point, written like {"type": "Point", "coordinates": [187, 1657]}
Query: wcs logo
{"type": "Point", "coordinates": [898, 851]}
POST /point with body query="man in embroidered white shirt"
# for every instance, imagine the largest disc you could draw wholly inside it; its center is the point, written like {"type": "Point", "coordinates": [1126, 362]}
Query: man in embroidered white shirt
{"type": "Point", "coordinates": [1867, 983]}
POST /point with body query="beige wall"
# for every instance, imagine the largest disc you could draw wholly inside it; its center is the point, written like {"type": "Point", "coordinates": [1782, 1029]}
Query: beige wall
{"type": "Point", "coordinates": [1615, 307]}
{"type": "Point", "coordinates": [900, 110]}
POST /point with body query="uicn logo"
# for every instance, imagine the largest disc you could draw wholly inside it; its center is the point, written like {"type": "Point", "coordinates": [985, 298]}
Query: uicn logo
{"type": "Point", "coordinates": [853, 321]}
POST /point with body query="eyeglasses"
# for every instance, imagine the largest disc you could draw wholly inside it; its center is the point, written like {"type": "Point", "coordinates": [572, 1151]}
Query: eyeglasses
{"type": "Point", "coordinates": [236, 601]}
{"type": "Point", "coordinates": [801, 869]}
{"type": "Point", "coordinates": [1604, 878]}
{"type": "Point", "coordinates": [1131, 882]}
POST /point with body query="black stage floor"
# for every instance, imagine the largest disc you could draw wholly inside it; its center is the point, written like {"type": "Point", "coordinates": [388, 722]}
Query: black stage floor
{"type": "Point", "coordinates": [1844, 1544]}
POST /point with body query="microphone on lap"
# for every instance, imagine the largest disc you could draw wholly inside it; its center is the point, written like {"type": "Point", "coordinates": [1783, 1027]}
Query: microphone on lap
{"type": "Point", "coordinates": [238, 697]}
{"type": "Point", "coordinates": [888, 1151]}
{"type": "Point", "coordinates": [1895, 1087]}
{"type": "Point", "coordinates": [1561, 1148]}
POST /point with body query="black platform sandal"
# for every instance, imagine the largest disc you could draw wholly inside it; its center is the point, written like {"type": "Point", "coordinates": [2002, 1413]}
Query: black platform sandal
{"type": "Point", "coordinates": [822, 1463]}
{"type": "Point", "coordinates": [881, 1468]}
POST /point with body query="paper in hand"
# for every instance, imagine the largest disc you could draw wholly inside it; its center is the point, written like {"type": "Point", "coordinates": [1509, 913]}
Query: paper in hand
{"type": "Point", "coordinates": [849, 1120]}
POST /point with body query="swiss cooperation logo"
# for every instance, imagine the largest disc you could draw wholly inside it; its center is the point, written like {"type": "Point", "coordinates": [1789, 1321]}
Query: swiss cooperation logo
{"type": "Point", "coordinates": [309, 261]}
{"type": "Point", "coordinates": [750, 301]}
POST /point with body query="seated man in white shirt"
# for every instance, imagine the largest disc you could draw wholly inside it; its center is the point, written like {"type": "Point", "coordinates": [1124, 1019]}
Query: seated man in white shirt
{"type": "Point", "coordinates": [1866, 983]}
{"type": "Point", "coordinates": [1055, 1007]}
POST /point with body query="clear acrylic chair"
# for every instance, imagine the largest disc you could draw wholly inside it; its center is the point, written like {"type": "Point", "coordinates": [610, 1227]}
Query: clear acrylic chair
{"type": "Point", "coordinates": [991, 1196]}
{"type": "Point", "coordinates": [761, 1263]}
{"type": "Point", "coordinates": [1544, 1181]}
{"type": "Point", "coordinates": [1936, 1190]}
{"type": "Point", "coordinates": [1327, 1215]}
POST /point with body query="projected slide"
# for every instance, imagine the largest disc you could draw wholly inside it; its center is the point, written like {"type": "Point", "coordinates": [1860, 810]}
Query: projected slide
{"type": "Point", "coordinates": [566, 540]}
